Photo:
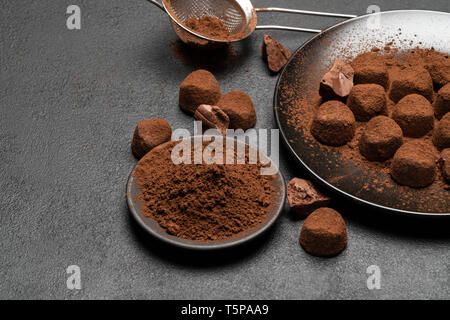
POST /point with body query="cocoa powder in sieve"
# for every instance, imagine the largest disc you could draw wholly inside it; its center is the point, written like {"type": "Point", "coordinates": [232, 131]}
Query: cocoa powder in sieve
{"type": "Point", "coordinates": [203, 202]}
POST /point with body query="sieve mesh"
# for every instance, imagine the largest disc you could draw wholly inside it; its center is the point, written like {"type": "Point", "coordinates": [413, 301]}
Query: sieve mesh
{"type": "Point", "coordinates": [227, 11]}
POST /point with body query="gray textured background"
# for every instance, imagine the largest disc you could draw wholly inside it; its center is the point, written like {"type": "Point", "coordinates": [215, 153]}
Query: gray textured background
{"type": "Point", "coordinates": [70, 101]}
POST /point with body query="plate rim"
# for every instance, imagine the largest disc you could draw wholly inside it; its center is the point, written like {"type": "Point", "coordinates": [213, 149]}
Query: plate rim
{"type": "Point", "coordinates": [213, 245]}
{"type": "Point", "coordinates": [305, 166]}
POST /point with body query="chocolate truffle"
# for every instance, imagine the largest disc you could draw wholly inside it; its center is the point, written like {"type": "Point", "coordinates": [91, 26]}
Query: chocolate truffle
{"type": "Point", "coordinates": [444, 162]}
{"type": "Point", "coordinates": [408, 81]}
{"type": "Point", "coordinates": [442, 103]}
{"type": "Point", "coordinates": [239, 108]}
{"type": "Point", "coordinates": [149, 134]}
{"type": "Point", "coordinates": [337, 83]}
{"type": "Point", "coordinates": [274, 54]}
{"type": "Point", "coordinates": [212, 117]}
{"type": "Point", "coordinates": [415, 115]}
{"type": "Point", "coordinates": [438, 65]}
{"type": "Point", "coordinates": [333, 124]}
{"type": "Point", "coordinates": [380, 139]}
{"type": "Point", "coordinates": [441, 135]}
{"type": "Point", "coordinates": [414, 164]}
{"type": "Point", "coordinates": [200, 87]}
{"type": "Point", "coordinates": [304, 198]}
{"type": "Point", "coordinates": [370, 67]}
{"type": "Point", "coordinates": [324, 233]}
{"type": "Point", "coordinates": [367, 101]}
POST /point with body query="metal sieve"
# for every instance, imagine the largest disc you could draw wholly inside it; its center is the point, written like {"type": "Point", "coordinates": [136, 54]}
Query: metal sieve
{"type": "Point", "coordinates": [238, 16]}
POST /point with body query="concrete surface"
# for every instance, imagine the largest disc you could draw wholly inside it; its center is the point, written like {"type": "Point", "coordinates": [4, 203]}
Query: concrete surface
{"type": "Point", "coordinates": [70, 101]}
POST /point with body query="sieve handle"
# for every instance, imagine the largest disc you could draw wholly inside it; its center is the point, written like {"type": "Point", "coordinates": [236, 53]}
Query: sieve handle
{"type": "Point", "coordinates": [312, 13]}
{"type": "Point", "coordinates": [156, 3]}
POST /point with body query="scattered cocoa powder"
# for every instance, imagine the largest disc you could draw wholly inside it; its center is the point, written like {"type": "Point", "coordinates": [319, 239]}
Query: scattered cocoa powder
{"type": "Point", "coordinates": [203, 202]}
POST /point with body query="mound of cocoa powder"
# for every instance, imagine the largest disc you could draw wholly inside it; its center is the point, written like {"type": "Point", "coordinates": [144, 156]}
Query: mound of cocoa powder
{"type": "Point", "coordinates": [203, 202]}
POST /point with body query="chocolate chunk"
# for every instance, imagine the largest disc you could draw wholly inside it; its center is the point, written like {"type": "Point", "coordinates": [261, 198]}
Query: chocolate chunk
{"type": "Point", "coordinates": [275, 54]}
{"type": "Point", "coordinates": [239, 108]}
{"type": "Point", "coordinates": [333, 124]}
{"type": "Point", "coordinates": [149, 134]}
{"type": "Point", "coordinates": [213, 117]}
{"type": "Point", "coordinates": [442, 103]}
{"type": "Point", "coordinates": [444, 161]}
{"type": "Point", "coordinates": [441, 135]}
{"type": "Point", "coordinates": [200, 87]}
{"type": "Point", "coordinates": [337, 83]}
{"type": "Point", "coordinates": [324, 233]}
{"type": "Point", "coordinates": [414, 164]}
{"type": "Point", "coordinates": [304, 198]}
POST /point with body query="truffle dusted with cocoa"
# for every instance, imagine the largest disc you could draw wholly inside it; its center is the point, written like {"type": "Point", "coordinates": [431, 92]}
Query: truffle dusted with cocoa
{"type": "Point", "coordinates": [441, 135]}
{"type": "Point", "coordinates": [337, 83]}
{"type": "Point", "coordinates": [274, 54]}
{"type": "Point", "coordinates": [380, 139]}
{"type": "Point", "coordinates": [304, 198]}
{"type": "Point", "coordinates": [414, 164]}
{"type": "Point", "coordinates": [149, 134]}
{"type": "Point", "coordinates": [324, 233]}
{"type": "Point", "coordinates": [444, 162]}
{"type": "Point", "coordinates": [410, 80]}
{"type": "Point", "coordinates": [212, 117]}
{"type": "Point", "coordinates": [333, 124]}
{"type": "Point", "coordinates": [239, 108]}
{"type": "Point", "coordinates": [367, 101]}
{"type": "Point", "coordinates": [370, 67]}
{"type": "Point", "coordinates": [415, 115]}
{"type": "Point", "coordinates": [441, 104]}
{"type": "Point", "coordinates": [200, 87]}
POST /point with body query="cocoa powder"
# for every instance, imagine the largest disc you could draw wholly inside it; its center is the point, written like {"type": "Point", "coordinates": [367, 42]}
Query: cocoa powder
{"type": "Point", "coordinates": [203, 202]}
{"type": "Point", "coordinates": [210, 27]}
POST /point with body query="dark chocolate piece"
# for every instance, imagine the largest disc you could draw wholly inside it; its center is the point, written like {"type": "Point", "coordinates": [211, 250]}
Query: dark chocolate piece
{"type": "Point", "coordinates": [213, 117]}
{"type": "Point", "coordinates": [304, 198]}
{"type": "Point", "coordinates": [337, 83]}
{"type": "Point", "coordinates": [275, 54]}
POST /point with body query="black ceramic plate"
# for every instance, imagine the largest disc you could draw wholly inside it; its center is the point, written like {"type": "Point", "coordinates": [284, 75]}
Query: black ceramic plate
{"type": "Point", "coordinates": [153, 228]}
{"type": "Point", "coordinates": [408, 29]}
